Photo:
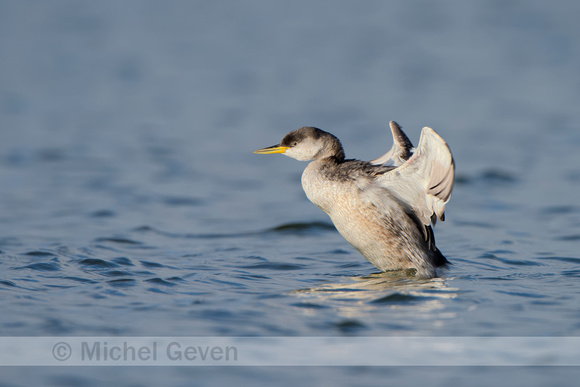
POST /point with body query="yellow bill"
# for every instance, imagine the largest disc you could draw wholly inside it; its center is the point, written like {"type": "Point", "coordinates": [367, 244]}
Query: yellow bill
{"type": "Point", "coordinates": [272, 149]}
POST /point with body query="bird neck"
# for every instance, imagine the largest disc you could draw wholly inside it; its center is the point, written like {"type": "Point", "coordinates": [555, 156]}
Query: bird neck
{"type": "Point", "coordinates": [332, 150]}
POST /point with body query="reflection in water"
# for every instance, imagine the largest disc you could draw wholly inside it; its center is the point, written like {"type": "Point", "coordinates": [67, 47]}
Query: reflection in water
{"type": "Point", "coordinates": [394, 289]}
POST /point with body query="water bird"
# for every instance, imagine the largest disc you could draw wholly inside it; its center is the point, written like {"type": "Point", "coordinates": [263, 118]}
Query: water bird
{"type": "Point", "coordinates": [384, 207]}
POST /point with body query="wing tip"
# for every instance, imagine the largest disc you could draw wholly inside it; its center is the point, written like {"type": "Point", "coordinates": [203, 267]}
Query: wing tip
{"type": "Point", "coordinates": [430, 134]}
{"type": "Point", "coordinates": [401, 141]}
{"type": "Point", "coordinates": [401, 150]}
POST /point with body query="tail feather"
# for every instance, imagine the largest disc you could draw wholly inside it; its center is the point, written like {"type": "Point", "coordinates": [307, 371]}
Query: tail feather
{"type": "Point", "coordinates": [439, 259]}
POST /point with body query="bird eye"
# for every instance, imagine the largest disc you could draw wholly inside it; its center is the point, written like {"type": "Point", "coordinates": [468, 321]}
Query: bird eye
{"type": "Point", "coordinates": [294, 143]}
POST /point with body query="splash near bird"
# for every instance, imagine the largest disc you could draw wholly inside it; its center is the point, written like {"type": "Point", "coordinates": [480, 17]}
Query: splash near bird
{"type": "Point", "coordinates": [384, 207]}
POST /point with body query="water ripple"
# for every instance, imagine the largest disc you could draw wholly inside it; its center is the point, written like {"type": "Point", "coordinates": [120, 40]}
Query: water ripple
{"type": "Point", "coordinates": [40, 254]}
{"type": "Point", "coordinates": [303, 227]}
{"type": "Point", "coordinates": [397, 298]}
{"type": "Point", "coordinates": [123, 261]}
{"type": "Point", "coordinates": [522, 294]}
{"type": "Point", "coordinates": [564, 259]}
{"type": "Point", "coordinates": [160, 281]}
{"type": "Point", "coordinates": [122, 241]}
{"type": "Point", "coordinates": [273, 266]}
{"type": "Point", "coordinates": [97, 263]}
{"type": "Point", "coordinates": [117, 273]}
{"type": "Point", "coordinates": [123, 282]}
{"type": "Point", "coordinates": [43, 266]}
{"type": "Point", "coordinates": [152, 264]}
{"type": "Point", "coordinates": [569, 238]}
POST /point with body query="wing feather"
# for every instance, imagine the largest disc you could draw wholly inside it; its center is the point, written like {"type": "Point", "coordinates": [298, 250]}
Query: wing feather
{"type": "Point", "coordinates": [400, 152]}
{"type": "Point", "coordinates": [425, 180]}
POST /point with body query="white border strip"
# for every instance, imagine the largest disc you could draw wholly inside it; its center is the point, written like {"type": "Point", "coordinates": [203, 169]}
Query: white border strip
{"type": "Point", "coordinates": [289, 351]}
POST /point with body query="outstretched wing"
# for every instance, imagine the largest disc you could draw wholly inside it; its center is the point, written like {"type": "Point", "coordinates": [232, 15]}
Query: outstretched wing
{"type": "Point", "coordinates": [400, 152]}
{"type": "Point", "coordinates": [425, 180]}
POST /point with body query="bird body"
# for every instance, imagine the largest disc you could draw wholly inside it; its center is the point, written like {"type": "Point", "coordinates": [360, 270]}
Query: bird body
{"type": "Point", "coordinates": [384, 207]}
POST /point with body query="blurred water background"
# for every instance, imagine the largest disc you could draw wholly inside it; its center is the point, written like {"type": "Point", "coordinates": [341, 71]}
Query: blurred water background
{"type": "Point", "coordinates": [131, 203]}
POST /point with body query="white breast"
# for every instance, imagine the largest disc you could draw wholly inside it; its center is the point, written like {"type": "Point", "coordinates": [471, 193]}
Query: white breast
{"type": "Point", "coordinates": [319, 190]}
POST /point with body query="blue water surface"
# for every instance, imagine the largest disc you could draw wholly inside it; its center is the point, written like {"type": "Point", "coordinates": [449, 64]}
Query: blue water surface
{"type": "Point", "coordinates": [131, 203]}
